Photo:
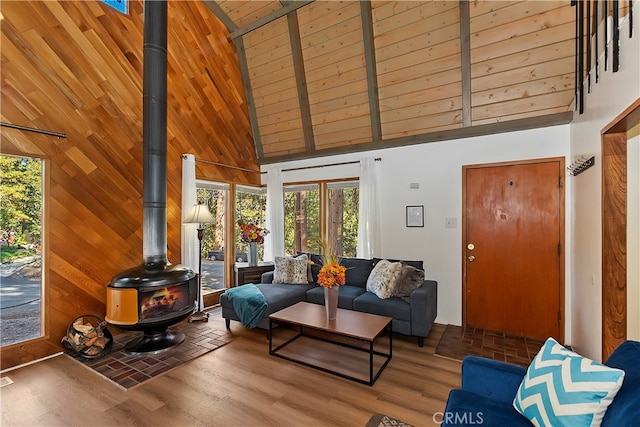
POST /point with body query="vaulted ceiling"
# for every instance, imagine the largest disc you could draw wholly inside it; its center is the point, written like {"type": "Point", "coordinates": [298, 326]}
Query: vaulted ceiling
{"type": "Point", "coordinates": [328, 77]}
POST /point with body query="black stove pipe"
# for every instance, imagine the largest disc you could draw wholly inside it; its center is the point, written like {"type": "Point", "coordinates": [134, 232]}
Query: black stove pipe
{"type": "Point", "coordinates": [154, 135]}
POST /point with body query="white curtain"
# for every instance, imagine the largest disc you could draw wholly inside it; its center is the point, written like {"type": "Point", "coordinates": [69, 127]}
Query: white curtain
{"type": "Point", "coordinates": [274, 241]}
{"type": "Point", "coordinates": [190, 249]}
{"type": "Point", "coordinates": [369, 227]}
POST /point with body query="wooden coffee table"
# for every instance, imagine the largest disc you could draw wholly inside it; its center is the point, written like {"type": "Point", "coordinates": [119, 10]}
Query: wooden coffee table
{"type": "Point", "coordinates": [354, 324]}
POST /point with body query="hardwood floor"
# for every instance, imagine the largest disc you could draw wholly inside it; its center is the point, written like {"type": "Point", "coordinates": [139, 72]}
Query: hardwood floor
{"type": "Point", "coordinates": [236, 385]}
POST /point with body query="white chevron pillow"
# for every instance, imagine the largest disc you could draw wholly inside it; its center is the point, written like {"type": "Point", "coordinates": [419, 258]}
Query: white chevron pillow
{"type": "Point", "coordinates": [562, 388]}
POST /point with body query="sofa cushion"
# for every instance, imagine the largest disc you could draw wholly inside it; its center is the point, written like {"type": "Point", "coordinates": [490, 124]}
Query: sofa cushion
{"type": "Point", "coordinates": [410, 278]}
{"type": "Point", "coordinates": [562, 388]}
{"type": "Point", "coordinates": [358, 271]}
{"type": "Point", "coordinates": [291, 270]}
{"type": "Point", "coordinates": [392, 307]}
{"type": "Point", "coordinates": [416, 264]}
{"type": "Point", "coordinates": [383, 278]}
{"type": "Point", "coordinates": [626, 405]}
{"type": "Point", "coordinates": [465, 408]}
{"type": "Point", "coordinates": [346, 295]}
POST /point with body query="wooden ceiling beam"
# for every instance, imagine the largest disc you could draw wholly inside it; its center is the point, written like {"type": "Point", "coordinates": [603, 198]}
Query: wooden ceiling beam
{"type": "Point", "coordinates": [285, 10]}
{"type": "Point", "coordinates": [248, 93]}
{"type": "Point", "coordinates": [301, 81]}
{"type": "Point", "coordinates": [465, 57]}
{"type": "Point", "coordinates": [222, 16]}
{"type": "Point", "coordinates": [372, 73]}
{"type": "Point", "coordinates": [468, 132]}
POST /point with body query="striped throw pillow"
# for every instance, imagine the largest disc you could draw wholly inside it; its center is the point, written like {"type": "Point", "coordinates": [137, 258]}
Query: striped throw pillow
{"type": "Point", "coordinates": [562, 388]}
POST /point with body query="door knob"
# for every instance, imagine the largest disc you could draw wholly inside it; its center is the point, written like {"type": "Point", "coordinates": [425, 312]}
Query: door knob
{"type": "Point", "coordinates": [471, 258]}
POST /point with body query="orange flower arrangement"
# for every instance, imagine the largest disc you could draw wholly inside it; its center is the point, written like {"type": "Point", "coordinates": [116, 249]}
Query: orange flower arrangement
{"type": "Point", "coordinates": [332, 273]}
{"type": "Point", "coordinates": [252, 233]}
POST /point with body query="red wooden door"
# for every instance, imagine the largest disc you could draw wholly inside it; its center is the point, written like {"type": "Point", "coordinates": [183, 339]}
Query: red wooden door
{"type": "Point", "coordinates": [513, 248]}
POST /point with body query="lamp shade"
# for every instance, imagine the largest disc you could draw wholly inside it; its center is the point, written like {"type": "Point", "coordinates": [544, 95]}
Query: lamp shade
{"type": "Point", "coordinates": [199, 214]}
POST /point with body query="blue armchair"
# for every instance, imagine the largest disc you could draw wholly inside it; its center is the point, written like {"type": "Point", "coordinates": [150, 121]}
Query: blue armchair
{"type": "Point", "coordinates": [489, 387]}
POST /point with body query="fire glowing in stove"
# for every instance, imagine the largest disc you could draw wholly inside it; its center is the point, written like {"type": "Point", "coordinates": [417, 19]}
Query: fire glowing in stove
{"type": "Point", "coordinates": [160, 302]}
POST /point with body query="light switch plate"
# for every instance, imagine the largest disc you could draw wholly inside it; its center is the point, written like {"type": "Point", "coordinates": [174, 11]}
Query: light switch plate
{"type": "Point", "coordinates": [450, 223]}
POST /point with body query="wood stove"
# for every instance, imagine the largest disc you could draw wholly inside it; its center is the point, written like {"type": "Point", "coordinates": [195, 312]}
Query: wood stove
{"type": "Point", "coordinates": [154, 295]}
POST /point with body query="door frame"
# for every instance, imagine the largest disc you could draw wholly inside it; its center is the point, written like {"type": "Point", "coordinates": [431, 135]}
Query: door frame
{"type": "Point", "coordinates": [614, 140]}
{"type": "Point", "coordinates": [561, 221]}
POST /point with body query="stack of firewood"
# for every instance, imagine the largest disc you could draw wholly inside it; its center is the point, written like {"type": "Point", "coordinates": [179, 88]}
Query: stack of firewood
{"type": "Point", "coordinates": [85, 338]}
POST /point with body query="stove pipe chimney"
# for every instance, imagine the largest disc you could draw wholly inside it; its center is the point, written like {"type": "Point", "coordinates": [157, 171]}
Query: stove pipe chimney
{"type": "Point", "coordinates": [154, 135]}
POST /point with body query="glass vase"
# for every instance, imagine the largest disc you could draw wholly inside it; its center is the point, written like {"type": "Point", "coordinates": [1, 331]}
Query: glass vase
{"type": "Point", "coordinates": [331, 302]}
{"type": "Point", "coordinates": [252, 254]}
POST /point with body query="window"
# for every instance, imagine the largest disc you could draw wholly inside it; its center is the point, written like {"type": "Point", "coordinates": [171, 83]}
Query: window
{"type": "Point", "coordinates": [214, 195]}
{"type": "Point", "coordinates": [21, 242]}
{"type": "Point", "coordinates": [342, 219]}
{"type": "Point", "coordinates": [301, 218]}
{"type": "Point", "coordinates": [251, 207]}
{"type": "Point", "coordinates": [324, 211]}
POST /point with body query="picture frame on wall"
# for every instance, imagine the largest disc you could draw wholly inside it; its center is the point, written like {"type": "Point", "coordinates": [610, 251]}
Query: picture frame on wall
{"type": "Point", "coordinates": [415, 216]}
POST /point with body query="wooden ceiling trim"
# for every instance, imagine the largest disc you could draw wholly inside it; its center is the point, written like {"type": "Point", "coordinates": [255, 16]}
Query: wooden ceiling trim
{"type": "Point", "coordinates": [279, 13]}
{"type": "Point", "coordinates": [465, 56]}
{"type": "Point", "coordinates": [371, 70]}
{"type": "Point", "coordinates": [437, 136]}
{"type": "Point", "coordinates": [301, 82]}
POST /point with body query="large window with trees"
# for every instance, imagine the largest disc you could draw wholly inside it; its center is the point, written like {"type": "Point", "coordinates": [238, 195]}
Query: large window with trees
{"type": "Point", "coordinates": [214, 195]}
{"type": "Point", "coordinates": [323, 211]}
{"type": "Point", "coordinates": [301, 218]}
{"type": "Point", "coordinates": [342, 219]}
{"type": "Point", "coordinates": [21, 242]}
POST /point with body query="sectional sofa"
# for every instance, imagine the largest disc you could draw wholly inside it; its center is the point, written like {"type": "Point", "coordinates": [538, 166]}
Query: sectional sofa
{"type": "Point", "coordinates": [412, 314]}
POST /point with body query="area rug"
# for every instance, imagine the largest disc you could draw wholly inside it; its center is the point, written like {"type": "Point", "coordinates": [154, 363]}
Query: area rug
{"type": "Point", "coordinates": [457, 342]}
{"type": "Point", "coordinates": [127, 370]}
{"type": "Point", "coordinates": [381, 420]}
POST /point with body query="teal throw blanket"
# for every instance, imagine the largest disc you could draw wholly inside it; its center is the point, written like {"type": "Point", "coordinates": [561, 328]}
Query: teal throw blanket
{"type": "Point", "coordinates": [249, 304]}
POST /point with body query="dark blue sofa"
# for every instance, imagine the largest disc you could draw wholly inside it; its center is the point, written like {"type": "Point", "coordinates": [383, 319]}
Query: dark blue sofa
{"type": "Point", "coordinates": [413, 317]}
{"type": "Point", "coordinates": [489, 387]}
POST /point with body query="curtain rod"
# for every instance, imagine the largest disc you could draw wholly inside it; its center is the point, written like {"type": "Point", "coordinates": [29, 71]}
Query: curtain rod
{"type": "Point", "coordinates": [377, 159]}
{"type": "Point", "coordinates": [44, 132]}
{"type": "Point", "coordinates": [228, 166]}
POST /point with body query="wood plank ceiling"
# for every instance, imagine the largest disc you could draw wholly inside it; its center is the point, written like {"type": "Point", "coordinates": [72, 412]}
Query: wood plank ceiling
{"type": "Point", "coordinates": [328, 77]}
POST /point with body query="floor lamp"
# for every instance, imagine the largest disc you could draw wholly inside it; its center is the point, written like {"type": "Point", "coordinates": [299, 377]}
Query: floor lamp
{"type": "Point", "coordinates": [200, 215]}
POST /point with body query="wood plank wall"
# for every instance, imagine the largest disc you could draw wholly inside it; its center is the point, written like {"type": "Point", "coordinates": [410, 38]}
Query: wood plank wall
{"type": "Point", "coordinates": [76, 68]}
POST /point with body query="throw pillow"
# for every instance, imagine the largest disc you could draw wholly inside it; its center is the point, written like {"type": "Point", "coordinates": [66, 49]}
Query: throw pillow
{"type": "Point", "coordinates": [290, 270]}
{"type": "Point", "coordinates": [410, 278]}
{"type": "Point", "coordinates": [383, 277]}
{"type": "Point", "coordinates": [562, 388]}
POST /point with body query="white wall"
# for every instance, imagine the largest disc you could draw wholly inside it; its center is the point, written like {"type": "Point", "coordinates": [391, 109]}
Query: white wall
{"type": "Point", "coordinates": [437, 167]}
{"type": "Point", "coordinates": [608, 98]}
